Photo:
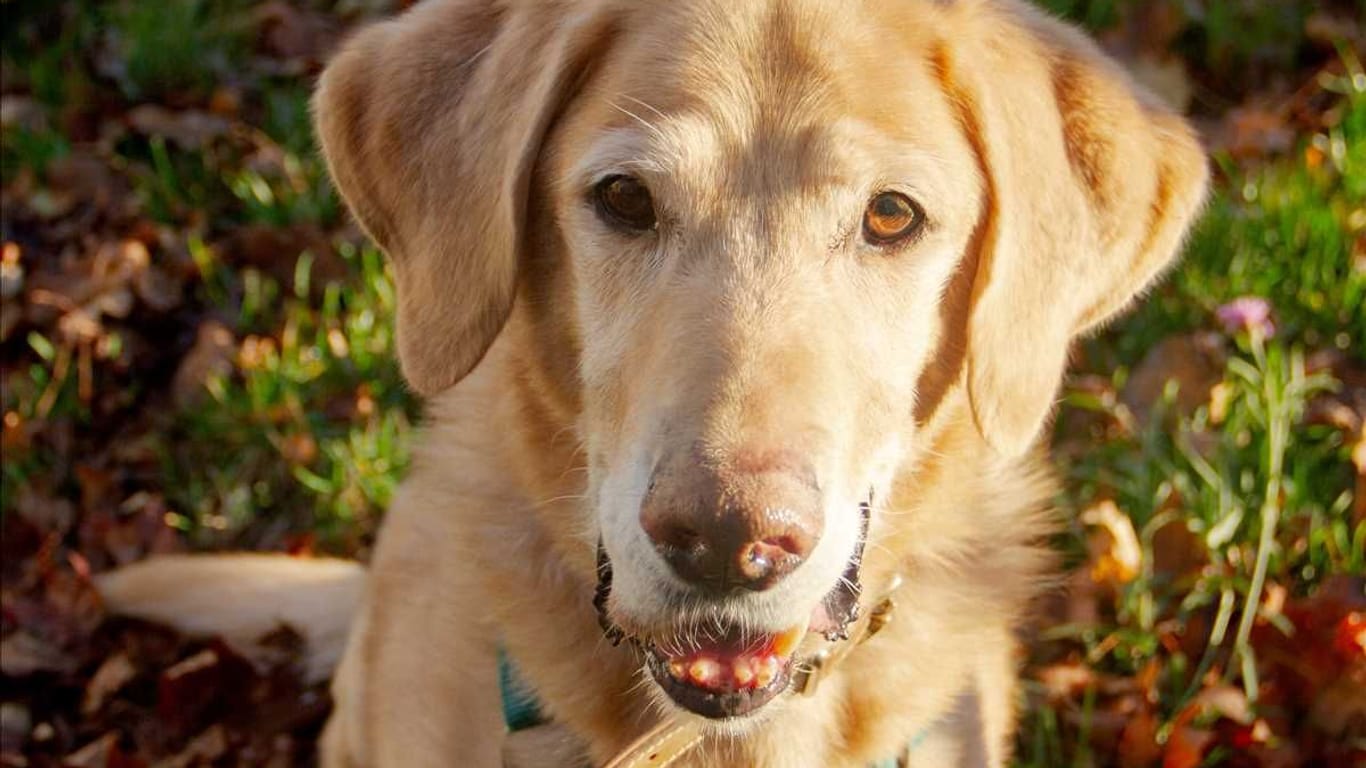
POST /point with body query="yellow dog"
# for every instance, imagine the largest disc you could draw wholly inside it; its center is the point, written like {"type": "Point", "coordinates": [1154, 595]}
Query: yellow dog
{"type": "Point", "coordinates": [735, 315]}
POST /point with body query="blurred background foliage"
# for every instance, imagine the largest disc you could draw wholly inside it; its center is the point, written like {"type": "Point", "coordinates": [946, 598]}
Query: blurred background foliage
{"type": "Point", "coordinates": [196, 351]}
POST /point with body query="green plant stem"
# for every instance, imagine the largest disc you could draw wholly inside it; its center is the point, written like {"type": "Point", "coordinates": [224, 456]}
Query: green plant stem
{"type": "Point", "coordinates": [1278, 428]}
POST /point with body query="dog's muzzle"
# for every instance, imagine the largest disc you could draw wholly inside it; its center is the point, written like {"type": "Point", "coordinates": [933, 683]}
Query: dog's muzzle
{"type": "Point", "coordinates": [734, 671]}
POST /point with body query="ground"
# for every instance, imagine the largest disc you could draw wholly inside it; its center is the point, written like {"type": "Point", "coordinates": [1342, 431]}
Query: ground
{"type": "Point", "coordinates": [196, 352]}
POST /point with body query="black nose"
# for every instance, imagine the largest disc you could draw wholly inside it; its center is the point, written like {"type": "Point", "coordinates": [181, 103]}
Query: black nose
{"type": "Point", "coordinates": [721, 531]}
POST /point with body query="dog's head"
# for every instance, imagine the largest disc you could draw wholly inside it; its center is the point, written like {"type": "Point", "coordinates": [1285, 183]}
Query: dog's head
{"type": "Point", "coordinates": [764, 241]}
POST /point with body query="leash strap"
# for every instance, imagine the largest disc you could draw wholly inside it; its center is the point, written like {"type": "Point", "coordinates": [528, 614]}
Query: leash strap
{"type": "Point", "coordinates": [660, 746]}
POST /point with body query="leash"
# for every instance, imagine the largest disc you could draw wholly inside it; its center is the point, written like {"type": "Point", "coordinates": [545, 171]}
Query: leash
{"type": "Point", "coordinates": [674, 738]}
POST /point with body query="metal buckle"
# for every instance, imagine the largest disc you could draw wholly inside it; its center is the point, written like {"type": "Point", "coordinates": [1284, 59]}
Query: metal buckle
{"type": "Point", "coordinates": [808, 676]}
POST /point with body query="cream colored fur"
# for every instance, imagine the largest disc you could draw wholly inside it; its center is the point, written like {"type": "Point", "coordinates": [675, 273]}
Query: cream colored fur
{"type": "Point", "coordinates": [243, 598]}
{"type": "Point", "coordinates": [564, 359]}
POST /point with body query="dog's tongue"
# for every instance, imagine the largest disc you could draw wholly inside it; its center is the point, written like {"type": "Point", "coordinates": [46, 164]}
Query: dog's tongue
{"type": "Point", "coordinates": [724, 668]}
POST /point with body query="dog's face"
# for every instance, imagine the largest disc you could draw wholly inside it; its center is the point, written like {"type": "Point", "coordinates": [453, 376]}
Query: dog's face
{"type": "Point", "coordinates": [784, 231]}
{"type": "Point", "coordinates": [760, 224]}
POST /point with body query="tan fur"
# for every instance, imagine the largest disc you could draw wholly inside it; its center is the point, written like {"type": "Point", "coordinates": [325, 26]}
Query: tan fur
{"type": "Point", "coordinates": [467, 135]}
{"type": "Point", "coordinates": [247, 597]}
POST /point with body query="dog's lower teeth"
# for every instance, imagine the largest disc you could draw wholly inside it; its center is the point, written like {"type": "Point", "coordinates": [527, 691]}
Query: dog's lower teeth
{"type": "Point", "coordinates": [768, 670]}
{"type": "Point", "coordinates": [704, 671]}
{"type": "Point", "coordinates": [741, 668]}
{"type": "Point", "coordinates": [744, 674]}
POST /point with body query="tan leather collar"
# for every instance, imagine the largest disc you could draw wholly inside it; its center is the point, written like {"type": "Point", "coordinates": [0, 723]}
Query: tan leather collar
{"type": "Point", "coordinates": [661, 745]}
{"type": "Point", "coordinates": [673, 738]}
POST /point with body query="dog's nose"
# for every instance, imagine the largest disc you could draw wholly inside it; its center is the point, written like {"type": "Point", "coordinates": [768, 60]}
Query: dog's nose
{"type": "Point", "coordinates": [721, 530]}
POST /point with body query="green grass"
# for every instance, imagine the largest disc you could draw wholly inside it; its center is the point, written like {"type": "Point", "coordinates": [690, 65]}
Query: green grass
{"type": "Point", "coordinates": [312, 425]}
{"type": "Point", "coordinates": [1226, 40]}
{"type": "Point", "coordinates": [312, 436]}
{"type": "Point", "coordinates": [1264, 494]}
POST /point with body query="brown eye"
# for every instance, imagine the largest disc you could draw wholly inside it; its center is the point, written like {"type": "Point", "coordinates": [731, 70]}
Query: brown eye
{"type": "Point", "coordinates": [891, 216]}
{"type": "Point", "coordinates": [625, 203]}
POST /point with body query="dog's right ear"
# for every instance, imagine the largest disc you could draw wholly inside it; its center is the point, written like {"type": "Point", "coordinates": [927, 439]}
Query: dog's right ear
{"type": "Point", "coordinates": [430, 124]}
{"type": "Point", "coordinates": [1090, 186]}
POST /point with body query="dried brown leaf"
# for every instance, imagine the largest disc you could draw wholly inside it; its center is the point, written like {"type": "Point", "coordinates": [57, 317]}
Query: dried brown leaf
{"type": "Point", "coordinates": [112, 675]}
{"type": "Point", "coordinates": [190, 129]}
{"type": "Point", "coordinates": [23, 654]}
{"type": "Point", "coordinates": [211, 355]}
{"type": "Point", "coordinates": [1116, 556]}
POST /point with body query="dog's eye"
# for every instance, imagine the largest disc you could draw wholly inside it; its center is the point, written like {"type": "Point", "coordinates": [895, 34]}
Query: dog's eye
{"type": "Point", "coordinates": [891, 217]}
{"type": "Point", "coordinates": [625, 203]}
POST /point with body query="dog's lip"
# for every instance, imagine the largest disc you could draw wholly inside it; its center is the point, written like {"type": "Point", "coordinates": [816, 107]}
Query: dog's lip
{"type": "Point", "coordinates": [725, 677]}
{"type": "Point", "coordinates": [831, 617]}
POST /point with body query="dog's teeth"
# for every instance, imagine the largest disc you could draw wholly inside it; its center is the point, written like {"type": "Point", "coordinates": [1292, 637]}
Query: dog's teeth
{"type": "Point", "coordinates": [768, 670]}
{"type": "Point", "coordinates": [743, 671]}
{"type": "Point", "coordinates": [704, 671]}
{"type": "Point", "coordinates": [677, 669]}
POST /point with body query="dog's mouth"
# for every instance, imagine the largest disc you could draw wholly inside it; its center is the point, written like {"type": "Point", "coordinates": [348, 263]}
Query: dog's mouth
{"type": "Point", "coordinates": [731, 672]}
{"type": "Point", "coordinates": [726, 677]}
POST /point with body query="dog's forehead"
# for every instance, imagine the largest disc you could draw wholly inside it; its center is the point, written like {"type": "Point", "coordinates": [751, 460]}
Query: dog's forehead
{"type": "Point", "coordinates": [782, 95]}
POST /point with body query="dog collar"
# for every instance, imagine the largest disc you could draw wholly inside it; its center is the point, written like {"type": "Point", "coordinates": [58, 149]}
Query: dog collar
{"type": "Point", "coordinates": [675, 737]}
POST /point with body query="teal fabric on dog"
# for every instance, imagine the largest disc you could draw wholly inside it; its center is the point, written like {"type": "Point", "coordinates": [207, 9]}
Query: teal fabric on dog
{"type": "Point", "coordinates": [520, 708]}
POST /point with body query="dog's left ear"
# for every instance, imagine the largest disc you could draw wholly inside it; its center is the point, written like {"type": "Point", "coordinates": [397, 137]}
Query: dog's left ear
{"type": "Point", "coordinates": [1090, 187]}
{"type": "Point", "coordinates": [431, 124]}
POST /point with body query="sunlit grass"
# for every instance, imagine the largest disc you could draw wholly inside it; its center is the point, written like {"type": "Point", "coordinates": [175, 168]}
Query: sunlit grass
{"type": "Point", "coordinates": [1253, 491]}
{"type": "Point", "coordinates": [312, 424]}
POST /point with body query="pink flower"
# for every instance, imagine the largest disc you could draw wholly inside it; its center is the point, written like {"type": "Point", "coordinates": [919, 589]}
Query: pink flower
{"type": "Point", "coordinates": [1247, 313]}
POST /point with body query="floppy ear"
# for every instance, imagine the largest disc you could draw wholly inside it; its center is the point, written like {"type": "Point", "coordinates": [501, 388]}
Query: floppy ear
{"type": "Point", "coordinates": [1091, 185]}
{"type": "Point", "coordinates": [431, 124]}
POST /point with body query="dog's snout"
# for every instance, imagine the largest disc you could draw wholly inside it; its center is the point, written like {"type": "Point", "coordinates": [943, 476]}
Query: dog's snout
{"type": "Point", "coordinates": [722, 530]}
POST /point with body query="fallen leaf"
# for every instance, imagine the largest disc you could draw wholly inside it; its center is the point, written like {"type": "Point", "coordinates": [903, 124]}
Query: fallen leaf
{"type": "Point", "coordinates": [206, 748]}
{"type": "Point", "coordinates": [1339, 710]}
{"type": "Point", "coordinates": [291, 33]}
{"type": "Point", "coordinates": [1227, 701]}
{"type": "Point", "coordinates": [16, 721]}
{"type": "Point", "coordinates": [1193, 364]}
{"type": "Point", "coordinates": [11, 271]}
{"type": "Point", "coordinates": [1138, 747]}
{"type": "Point", "coordinates": [195, 686]}
{"type": "Point", "coordinates": [1116, 556]}
{"type": "Point", "coordinates": [1330, 29]}
{"type": "Point", "coordinates": [1178, 552]}
{"type": "Point", "coordinates": [1350, 638]}
{"type": "Point", "coordinates": [21, 111]}
{"type": "Point", "coordinates": [190, 129]}
{"type": "Point", "coordinates": [103, 752]}
{"type": "Point", "coordinates": [111, 676]}
{"type": "Point", "coordinates": [1066, 680]}
{"type": "Point", "coordinates": [1186, 747]}
{"type": "Point", "coordinates": [44, 511]}
{"type": "Point", "coordinates": [23, 654]}
{"type": "Point", "coordinates": [211, 355]}
{"type": "Point", "coordinates": [1255, 131]}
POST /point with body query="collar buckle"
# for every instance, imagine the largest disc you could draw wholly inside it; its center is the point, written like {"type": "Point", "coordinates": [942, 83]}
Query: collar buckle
{"type": "Point", "coordinates": [809, 673]}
